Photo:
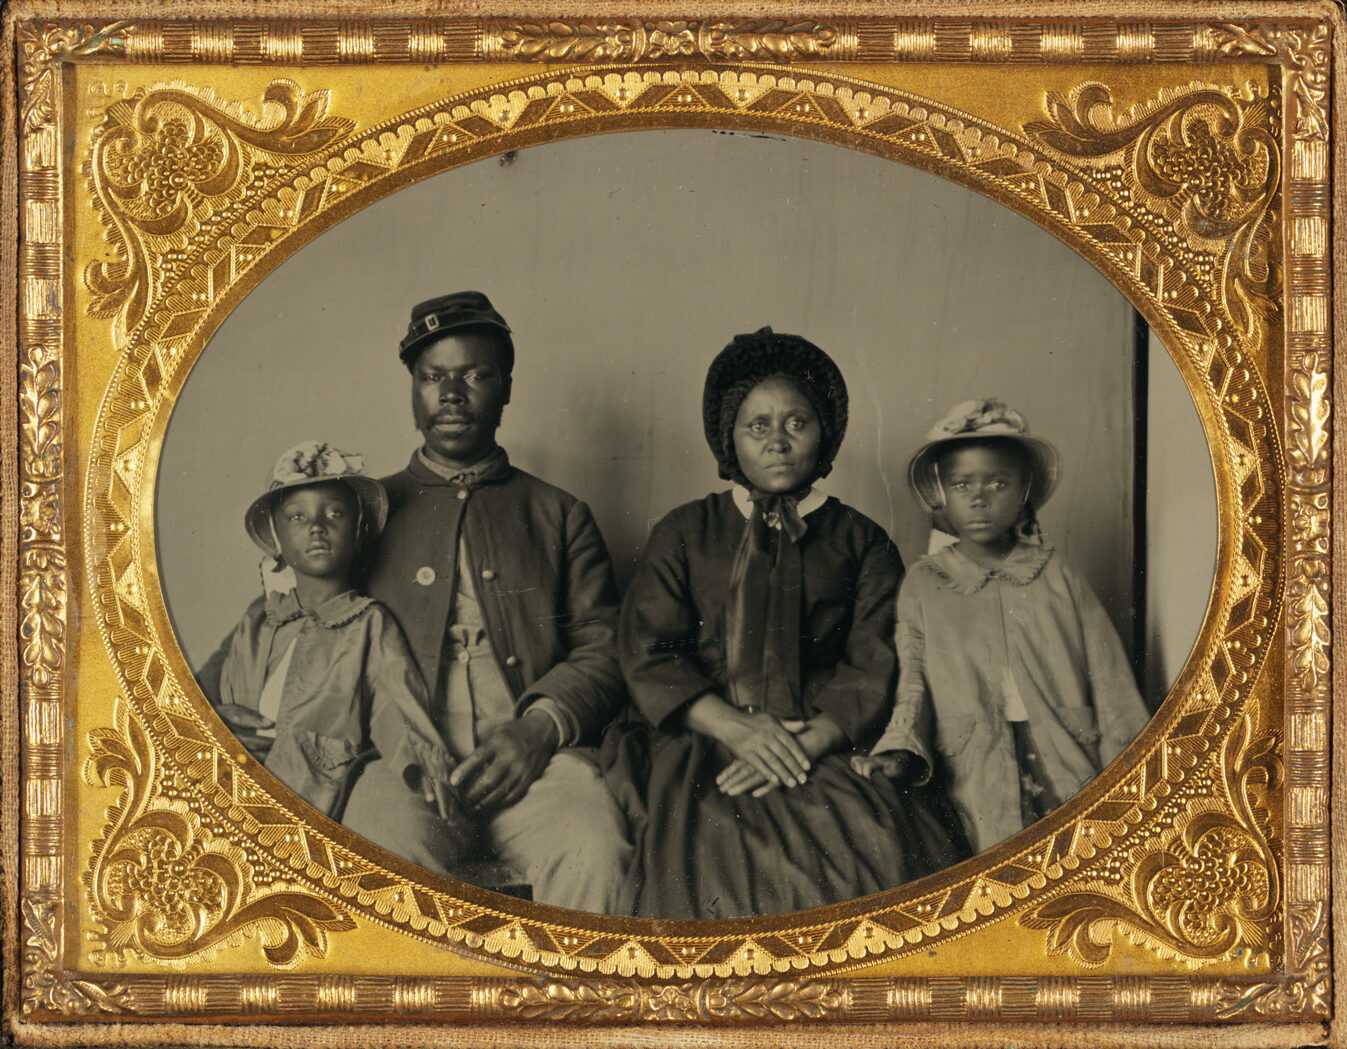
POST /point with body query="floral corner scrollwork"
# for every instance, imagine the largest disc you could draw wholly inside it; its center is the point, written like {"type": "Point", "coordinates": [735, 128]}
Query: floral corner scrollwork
{"type": "Point", "coordinates": [46, 986]}
{"type": "Point", "coordinates": [780, 1001]}
{"type": "Point", "coordinates": [1206, 160]}
{"type": "Point", "coordinates": [168, 161]}
{"type": "Point", "coordinates": [164, 889]}
{"type": "Point", "coordinates": [42, 47]}
{"type": "Point", "coordinates": [1305, 992]}
{"type": "Point", "coordinates": [1209, 888]}
{"type": "Point", "coordinates": [1302, 52]}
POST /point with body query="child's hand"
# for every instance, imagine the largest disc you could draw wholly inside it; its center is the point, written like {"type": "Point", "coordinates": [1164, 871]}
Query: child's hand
{"type": "Point", "coordinates": [444, 800]}
{"type": "Point", "coordinates": [256, 732]}
{"type": "Point", "coordinates": [900, 767]}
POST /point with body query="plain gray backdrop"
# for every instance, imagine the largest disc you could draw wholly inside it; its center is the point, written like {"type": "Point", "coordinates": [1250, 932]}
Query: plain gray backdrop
{"type": "Point", "coordinates": [624, 263]}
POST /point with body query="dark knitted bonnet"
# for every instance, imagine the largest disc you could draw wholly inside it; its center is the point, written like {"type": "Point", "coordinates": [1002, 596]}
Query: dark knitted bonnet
{"type": "Point", "coordinates": [750, 359]}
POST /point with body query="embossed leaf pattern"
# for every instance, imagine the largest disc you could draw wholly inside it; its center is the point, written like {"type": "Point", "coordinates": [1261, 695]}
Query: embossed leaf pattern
{"type": "Point", "coordinates": [1304, 991]}
{"type": "Point", "coordinates": [1310, 636]}
{"type": "Point", "coordinates": [775, 39]}
{"type": "Point", "coordinates": [40, 415]}
{"type": "Point", "coordinates": [40, 49]}
{"type": "Point", "coordinates": [1310, 412]}
{"type": "Point", "coordinates": [587, 1002]}
{"type": "Point", "coordinates": [42, 601]}
{"type": "Point", "coordinates": [583, 1002]}
{"type": "Point", "coordinates": [46, 985]}
{"type": "Point", "coordinates": [1303, 56]}
{"type": "Point", "coordinates": [1236, 39]}
{"type": "Point", "coordinates": [1306, 54]}
{"type": "Point", "coordinates": [782, 1000]}
{"type": "Point", "coordinates": [569, 40]}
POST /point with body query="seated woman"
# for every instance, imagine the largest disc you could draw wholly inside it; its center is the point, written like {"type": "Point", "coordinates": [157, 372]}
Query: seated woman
{"type": "Point", "coordinates": [757, 640]}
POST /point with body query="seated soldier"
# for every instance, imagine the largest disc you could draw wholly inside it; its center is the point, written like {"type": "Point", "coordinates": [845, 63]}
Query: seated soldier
{"type": "Point", "coordinates": [504, 588]}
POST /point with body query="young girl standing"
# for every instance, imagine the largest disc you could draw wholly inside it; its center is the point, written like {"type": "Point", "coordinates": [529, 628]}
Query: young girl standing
{"type": "Point", "coordinates": [1004, 650]}
{"type": "Point", "coordinates": [316, 679]}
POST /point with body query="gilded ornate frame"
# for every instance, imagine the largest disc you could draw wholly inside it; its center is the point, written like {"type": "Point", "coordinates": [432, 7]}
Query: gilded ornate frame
{"type": "Point", "coordinates": [152, 874]}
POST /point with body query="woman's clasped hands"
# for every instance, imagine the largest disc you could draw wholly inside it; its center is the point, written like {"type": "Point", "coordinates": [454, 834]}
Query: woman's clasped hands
{"type": "Point", "coordinates": [770, 752]}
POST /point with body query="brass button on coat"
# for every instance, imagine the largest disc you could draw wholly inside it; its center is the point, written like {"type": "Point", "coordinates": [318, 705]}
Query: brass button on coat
{"type": "Point", "coordinates": [512, 661]}
{"type": "Point", "coordinates": [488, 574]}
{"type": "Point", "coordinates": [425, 575]}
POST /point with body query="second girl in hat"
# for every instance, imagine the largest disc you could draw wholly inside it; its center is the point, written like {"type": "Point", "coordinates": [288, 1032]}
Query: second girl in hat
{"type": "Point", "coordinates": [1006, 652]}
{"type": "Point", "coordinates": [757, 642]}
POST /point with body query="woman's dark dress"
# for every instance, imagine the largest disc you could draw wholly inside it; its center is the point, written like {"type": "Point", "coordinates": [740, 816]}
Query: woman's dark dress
{"type": "Point", "coordinates": [701, 854]}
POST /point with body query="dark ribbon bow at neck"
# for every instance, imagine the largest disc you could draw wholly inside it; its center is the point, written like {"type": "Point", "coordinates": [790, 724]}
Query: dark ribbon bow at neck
{"type": "Point", "coordinates": [780, 511]}
{"type": "Point", "coordinates": [766, 591]}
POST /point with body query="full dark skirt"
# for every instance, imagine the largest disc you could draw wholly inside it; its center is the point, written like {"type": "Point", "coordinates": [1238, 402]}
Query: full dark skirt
{"type": "Point", "coordinates": [700, 854]}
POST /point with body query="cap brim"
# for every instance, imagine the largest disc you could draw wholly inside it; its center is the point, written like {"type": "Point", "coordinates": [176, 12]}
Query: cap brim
{"type": "Point", "coordinates": [1047, 467]}
{"type": "Point", "coordinates": [412, 346]}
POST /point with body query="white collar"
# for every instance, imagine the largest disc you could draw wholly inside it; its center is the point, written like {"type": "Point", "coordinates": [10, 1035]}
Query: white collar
{"type": "Point", "coordinates": [805, 507]}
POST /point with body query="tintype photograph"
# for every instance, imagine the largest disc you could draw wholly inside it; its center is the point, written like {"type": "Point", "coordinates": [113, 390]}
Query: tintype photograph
{"type": "Point", "coordinates": [677, 522]}
{"type": "Point", "coordinates": [685, 524]}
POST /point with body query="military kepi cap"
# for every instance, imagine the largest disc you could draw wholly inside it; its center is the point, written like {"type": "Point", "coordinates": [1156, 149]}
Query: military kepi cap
{"type": "Point", "coordinates": [459, 311]}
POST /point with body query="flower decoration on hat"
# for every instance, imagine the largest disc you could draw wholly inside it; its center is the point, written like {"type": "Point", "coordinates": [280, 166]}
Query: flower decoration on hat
{"type": "Point", "coordinates": [315, 461]}
{"type": "Point", "coordinates": [988, 416]}
{"type": "Point", "coordinates": [985, 418]}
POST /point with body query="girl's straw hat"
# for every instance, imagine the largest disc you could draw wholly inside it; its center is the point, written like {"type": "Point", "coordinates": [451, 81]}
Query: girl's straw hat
{"type": "Point", "coordinates": [314, 462]}
{"type": "Point", "coordinates": [979, 420]}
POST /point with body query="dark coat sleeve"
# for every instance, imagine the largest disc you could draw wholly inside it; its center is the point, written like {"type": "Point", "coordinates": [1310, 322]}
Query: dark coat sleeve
{"type": "Point", "coordinates": [587, 683]}
{"type": "Point", "coordinates": [857, 692]}
{"type": "Point", "coordinates": [659, 629]}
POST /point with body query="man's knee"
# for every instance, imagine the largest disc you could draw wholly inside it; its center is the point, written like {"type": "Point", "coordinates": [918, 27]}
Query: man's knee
{"type": "Point", "coordinates": [570, 836]}
{"type": "Point", "coordinates": [601, 841]}
{"type": "Point", "coordinates": [384, 811]}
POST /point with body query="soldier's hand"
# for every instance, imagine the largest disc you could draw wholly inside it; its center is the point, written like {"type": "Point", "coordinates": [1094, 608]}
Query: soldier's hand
{"type": "Point", "coordinates": [506, 762]}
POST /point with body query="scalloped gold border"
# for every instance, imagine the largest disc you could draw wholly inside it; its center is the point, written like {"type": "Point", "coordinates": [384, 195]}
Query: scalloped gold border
{"type": "Point", "coordinates": [1039, 202]}
{"type": "Point", "coordinates": [161, 344]}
